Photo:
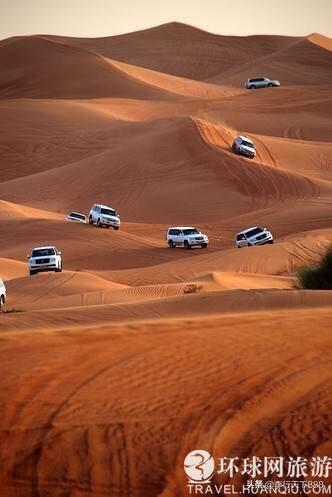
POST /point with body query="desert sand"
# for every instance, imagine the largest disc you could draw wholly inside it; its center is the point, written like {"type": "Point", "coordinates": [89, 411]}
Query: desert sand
{"type": "Point", "coordinates": [115, 369]}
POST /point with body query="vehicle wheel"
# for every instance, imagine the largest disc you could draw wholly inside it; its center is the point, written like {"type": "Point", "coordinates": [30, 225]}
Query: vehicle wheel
{"type": "Point", "coordinates": [270, 85]}
{"type": "Point", "coordinates": [187, 245]}
{"type": "Point", "coordinates": [1, 301]}
{"type": "Point", "coordinates": [271, 242]}
{"type": "Point", "coordinates": [252, 87]}
{"type": "Point", "coordinates": [99, 224]}
{"type": "Point", "coordinates": [90, 220]}
{"type": "Point", "coordinates": [171, 244]}
{"type": "Point", "coordinates": [204, 245]}
{"type": "Point", "coordinates": [116, 228]}
{"type": "Point", "coordinates": [239, 246]}
{"type": "Point", "coordinates": [233, 147]}
{"type": "Point", "coordinates": [58, 269]}
{"type": "Point", "coordinates": [32, 272]}
{"type": "Point", "coordinates": [249, 245]}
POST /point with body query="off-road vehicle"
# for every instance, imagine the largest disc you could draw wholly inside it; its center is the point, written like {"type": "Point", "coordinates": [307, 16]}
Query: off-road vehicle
{"type": "Point", "coordinates": [184, 236]}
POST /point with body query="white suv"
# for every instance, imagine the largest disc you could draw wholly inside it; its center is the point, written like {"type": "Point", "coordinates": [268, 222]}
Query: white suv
{"type": "Point", "coordinates": [253, 236]}
{"type": "Point", "coordinates": [261, 82]}
{"type": "Point", "coordinates": [3, 294]}
{"type": "Point", "coordinates": [244, 146]}
{"type": "Point", "coordinates": [102, 215]}
{"type": "Point", "coordinates": [186, 237]}
{"type": "Point", "coordinates": [44, 259]}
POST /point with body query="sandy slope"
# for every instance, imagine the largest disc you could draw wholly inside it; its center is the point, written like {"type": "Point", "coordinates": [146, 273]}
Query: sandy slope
{"type": "Point", "coordinates": [44, 62]}
{"type": "Point", "coordinates": [294, 64]}
{"type": "Point", "coordinates": [182, 50]}
{"type": "Point", "coordinates": [136, 354]}
{"type": "Point", "coordinates": [73, 289]}
{"type": "Point", "coordinates": [84, 425]}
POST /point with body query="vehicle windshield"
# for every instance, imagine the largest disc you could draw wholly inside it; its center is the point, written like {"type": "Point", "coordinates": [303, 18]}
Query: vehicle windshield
{"type": "Point", "coordinates": [248, 144]}
{"type": "Point", "coordinates": [253, 232]}
{"type": "Point", "coordinates": [43, 252]}
{"type": "Point", "coordinates": [108, 212]}
{"type": "Point", "coordinates": [191, 231]}
{"type": "Point", "coordinates": [76, 215]}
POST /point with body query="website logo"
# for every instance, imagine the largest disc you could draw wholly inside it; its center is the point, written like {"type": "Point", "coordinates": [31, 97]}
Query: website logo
{"type": "Point", "coordinates": [199, 466]}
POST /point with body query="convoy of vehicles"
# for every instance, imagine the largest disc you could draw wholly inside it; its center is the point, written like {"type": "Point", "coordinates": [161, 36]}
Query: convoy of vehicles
{"type": "Point", "coordinates": [44, 259]}
{"type": "Point", "coordinates": [253, 236]}
{"type": "Point", "coordinates": [101, 215]}
{"type": "Point", "coordinates": [261, 82]}
{"type": "Point", "coordinates": [184, 236]}
{"type": "Point", "coordinates": [49, 258]}
{"type": "Point", "coordinates": [244, 146]}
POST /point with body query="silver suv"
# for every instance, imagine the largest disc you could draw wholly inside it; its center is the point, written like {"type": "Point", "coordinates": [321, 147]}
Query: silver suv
{"type": "Point", "coordinates": [253, 236]}
{"type": "Point", "coordinates": [244, 146]}
{"type": "Point", "coordinates": [262, 82]}
{"type": "Point", "coordinates": [184, 236]}
{"type": "Point", "coordinates": [102, 215]}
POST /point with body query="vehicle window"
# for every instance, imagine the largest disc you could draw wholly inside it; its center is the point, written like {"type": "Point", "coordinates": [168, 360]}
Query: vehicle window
{"type": "Point", "coordinates": [108, 212]}
{"type": "Point", "coordinates": [172, 232]}
{"type": "Point", "coordinates": [253, 232]}
{"type": "Point", "coordinates": [247, 144]}
{"type": "Point", "coordinates": [192, 231]}
{"type": "Point", "coordinates": [240, 237]}
{"type": "Point", "coordinates": [43, 252]}
{"type": "Point", "coordinates": [77, 215]}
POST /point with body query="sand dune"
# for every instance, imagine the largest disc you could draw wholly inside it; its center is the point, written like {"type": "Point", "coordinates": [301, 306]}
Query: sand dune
{"type": "Point", "coordinates": [283, 258]}
{"type": "Point", "coordinates": [136, 354]}
{"type": "Point", "coordinates": [29, 292]}
{"type": "Point", "coordinates": [74, 289]}
{"type": "Point", "coordinates": [10, 269]}
{"type": "Point", "coordinates": [43, 63]}
{"type": "Point", "coordinates": [245, 281]}
{"type": "Point", "coordinates": [63, 131]}
{"type": "Point", "coordinates": [11, 212]}
{"type": "Point", "coordinates": [156, 309]}
{"type": "Point", "coordinates": [292, 63]}
{"type": "Point", "coordinates": [190, 168]}
{"type": "Point", "coordinates": [163, 400]}
{"type": "Point", "coordinates": [182, 50]}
